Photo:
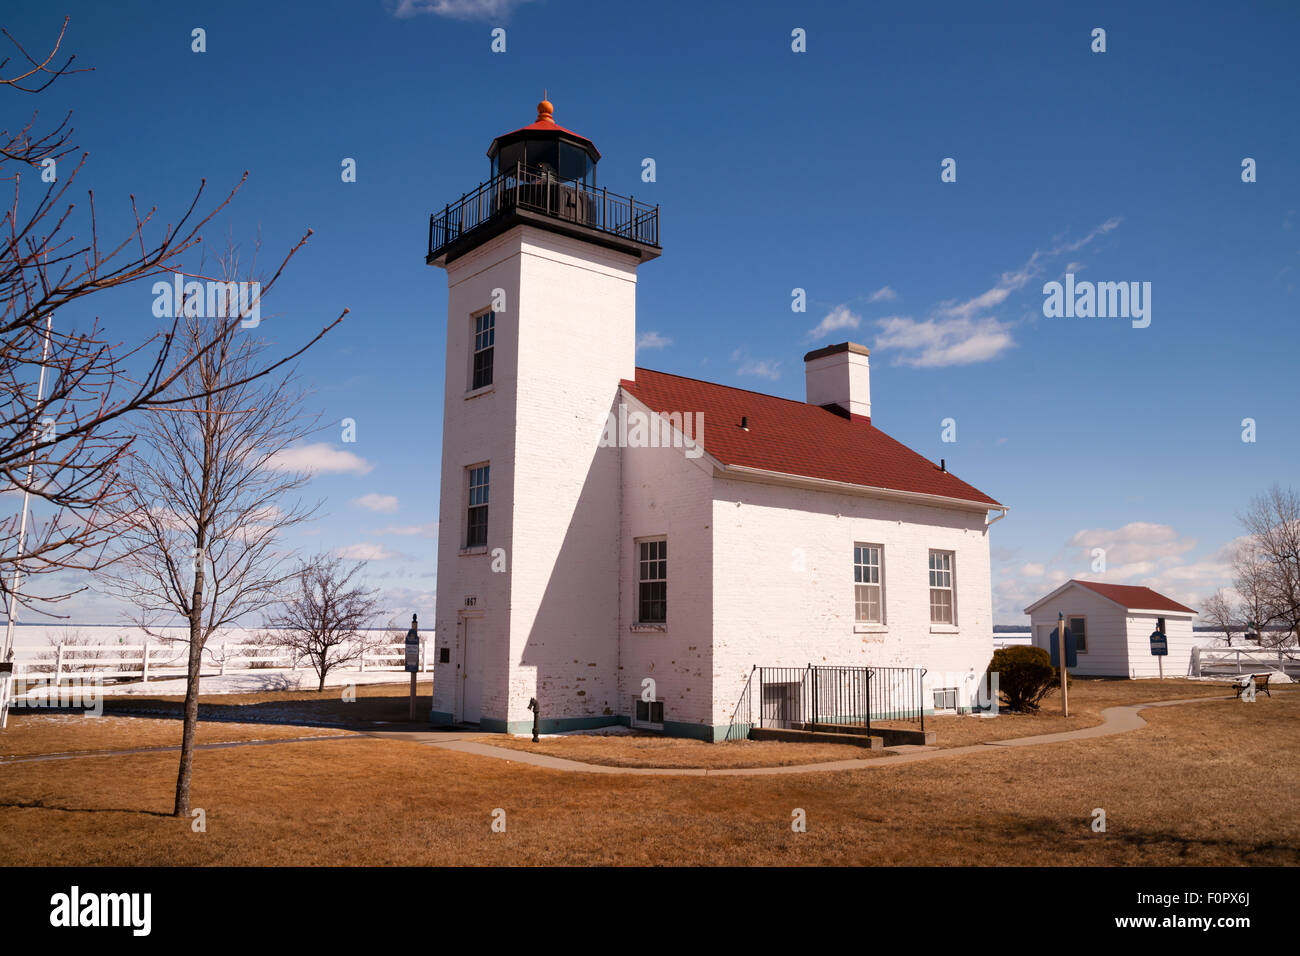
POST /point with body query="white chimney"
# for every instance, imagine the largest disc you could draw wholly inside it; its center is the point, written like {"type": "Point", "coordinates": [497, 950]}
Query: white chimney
{"type": "Point", "coordinates": [840, 375]}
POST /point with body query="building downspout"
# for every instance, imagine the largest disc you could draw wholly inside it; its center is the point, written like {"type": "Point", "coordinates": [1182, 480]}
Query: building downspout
{"type": "Point", "coordinates": [993, 521]}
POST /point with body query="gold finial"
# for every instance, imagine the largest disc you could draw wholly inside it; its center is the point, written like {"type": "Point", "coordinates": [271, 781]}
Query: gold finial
{"type": "Point", "coordinates": [545, 111]}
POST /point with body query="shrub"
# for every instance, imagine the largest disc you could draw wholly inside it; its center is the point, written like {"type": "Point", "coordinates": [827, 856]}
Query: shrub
{"type": "Point", "coordinates": [1025, 675]}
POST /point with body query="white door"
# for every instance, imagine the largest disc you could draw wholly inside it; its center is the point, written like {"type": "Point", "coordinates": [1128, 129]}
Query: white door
{"type": "Point", "coordinates": [471, 673]}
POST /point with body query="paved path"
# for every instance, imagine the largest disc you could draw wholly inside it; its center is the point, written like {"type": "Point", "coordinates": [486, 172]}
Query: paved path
{"type": "Point", "coordinates": [1114, 720]}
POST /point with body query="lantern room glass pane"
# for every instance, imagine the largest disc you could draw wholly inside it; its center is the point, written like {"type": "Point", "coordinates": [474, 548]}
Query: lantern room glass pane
{"type": "Point", "coordinates": [543, 154]}
{"type": "Point", "coordinates": [509, 156]}
{"type": "Point", "coordinates": [573, 162]}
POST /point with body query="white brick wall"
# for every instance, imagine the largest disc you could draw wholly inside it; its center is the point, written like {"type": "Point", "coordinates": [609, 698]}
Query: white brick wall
{"type": "Point", "coordinates": [769, 612]}
{"type": "Point", "coordinates": [666, 493]}
{"type": "Point", "coordinates": [549, 624]}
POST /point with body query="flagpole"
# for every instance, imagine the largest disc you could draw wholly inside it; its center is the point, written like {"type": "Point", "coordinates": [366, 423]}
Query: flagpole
{"type": "Point", "coordinates": [22, 538]}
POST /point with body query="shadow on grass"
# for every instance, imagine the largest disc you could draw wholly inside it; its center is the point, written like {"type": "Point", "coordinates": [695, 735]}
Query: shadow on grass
{"type": "Point", "coordinates": [329, 710]}
{"type": "Point", "coordinates": [41, 805]}
{"type": "Point", "coordinates": [1192, 849]}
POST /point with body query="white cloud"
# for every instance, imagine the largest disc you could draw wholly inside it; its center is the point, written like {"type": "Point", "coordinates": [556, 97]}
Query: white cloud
{"type": "Point", "coordinates": [429, 530]}
{"type": "Point", "coordinates": [760, 368]}
{"type": "Point", "coordinates": [1136, 543]}
{"type": "Point", "coordinates": [1017, 279]}
{"type": "Point", "coordinates": [383, 504]}
{"type": "Point", "coordinates": [365, 551]}
{"type": "Point", "coordinates": [317, 458]}
{"type": "Point", "coordinates": [458, 9]}
{"type": "Point", "coordinates": [883, 294]}
{"type": "Point", "coordinates": [1142, 553]}
{"type": "Point", "coordinates": [838, 318]}
{"type": "Point", "coordinates": [653, 340]}
{"type": "Point", "coordinates": [939, 342]}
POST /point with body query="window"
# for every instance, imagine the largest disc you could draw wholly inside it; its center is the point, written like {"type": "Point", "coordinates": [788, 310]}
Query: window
{"type": "Point", "coordinates": [941, 592]}
{"type": "Point", "coordinates": [477, 519]}
{"type": "Point", "coordinates": [485, 333]}
{"type": "Point", "coordinates": [945, 698]}
{"type": "Point", "coordinates": [867, 599]}
{"type": "Point", "coordinates": [652, 581]}
{"type": "Point", "coordinates": [1079, 628]}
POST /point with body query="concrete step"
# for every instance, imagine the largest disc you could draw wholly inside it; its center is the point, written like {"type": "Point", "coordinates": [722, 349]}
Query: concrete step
{"type": "Point", "coordinates": [817, 737]}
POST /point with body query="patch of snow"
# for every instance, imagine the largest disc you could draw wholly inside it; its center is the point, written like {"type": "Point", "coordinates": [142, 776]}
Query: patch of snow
{"type": "Point", "coordinates": [246, 682]}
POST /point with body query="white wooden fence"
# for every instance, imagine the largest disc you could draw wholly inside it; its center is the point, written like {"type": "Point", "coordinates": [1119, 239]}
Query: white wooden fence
{"type": "Point", "coordinates": [1240, 660]}
{"type": "Point", "coordinates": [158, 660]}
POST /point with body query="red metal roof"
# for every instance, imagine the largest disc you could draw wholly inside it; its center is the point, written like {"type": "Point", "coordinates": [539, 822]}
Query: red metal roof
{"type": "Point", "coordinates": [545, 123]}
{"type": "Point", "coordinates": [1132, 596]}
{"type": "Point", "coordinates": [796, 438]}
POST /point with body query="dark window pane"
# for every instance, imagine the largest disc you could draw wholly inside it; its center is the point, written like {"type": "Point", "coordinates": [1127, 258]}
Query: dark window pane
{"type": "Point", "coordinates": [573, 162]}
{"type": "Point", "coordinates": [476, 536]}
{"type": "Point", "coordinates": [482, 369]}
{"type": "Point", "coordinates": [543, 153]}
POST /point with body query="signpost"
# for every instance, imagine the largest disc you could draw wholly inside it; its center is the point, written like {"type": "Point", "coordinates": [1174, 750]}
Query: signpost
{"type": "Point", "coordinates": [1160, 646]}
{"type": "Point", "coordinates": [413, 658]}
{"type": "Point", "coordinates": [1064, 656]}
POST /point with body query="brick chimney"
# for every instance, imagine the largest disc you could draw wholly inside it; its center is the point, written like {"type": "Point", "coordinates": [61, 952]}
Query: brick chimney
{"type": "Point", "coordinates": [839, 375]}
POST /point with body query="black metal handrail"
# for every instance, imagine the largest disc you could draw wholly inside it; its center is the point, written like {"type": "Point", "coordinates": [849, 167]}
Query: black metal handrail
{"type": "Point", "coordinates": [844, 699]}
{"type": "Point", "coordinates": [541, 191]}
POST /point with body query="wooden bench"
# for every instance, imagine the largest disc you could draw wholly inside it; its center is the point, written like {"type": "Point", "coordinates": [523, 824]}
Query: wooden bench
{"type": "Point", "coordinates": [1261, 685]}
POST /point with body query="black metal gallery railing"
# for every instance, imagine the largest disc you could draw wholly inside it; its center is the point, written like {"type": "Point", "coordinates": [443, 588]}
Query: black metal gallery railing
{"type": "Point", "coordinates": [541, 191]}
{"type": "Point", "coordinates": [830, 698]}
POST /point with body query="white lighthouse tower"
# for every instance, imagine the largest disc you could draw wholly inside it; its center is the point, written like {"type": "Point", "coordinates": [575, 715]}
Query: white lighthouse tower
{"type": "Point", "coordinates": [541, 266]}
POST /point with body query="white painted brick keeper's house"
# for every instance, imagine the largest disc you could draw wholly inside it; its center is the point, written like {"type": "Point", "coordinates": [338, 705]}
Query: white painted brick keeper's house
{"type": "Point", "coordinates": [581, 555]}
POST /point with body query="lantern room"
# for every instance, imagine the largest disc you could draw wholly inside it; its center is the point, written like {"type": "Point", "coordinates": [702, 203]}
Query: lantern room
{"type": "Point", "coordinates": [545, 146]}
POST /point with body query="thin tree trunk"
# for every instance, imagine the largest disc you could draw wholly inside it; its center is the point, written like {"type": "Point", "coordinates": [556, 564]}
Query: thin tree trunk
{"type": "Point", "coordinates": [183, 775]}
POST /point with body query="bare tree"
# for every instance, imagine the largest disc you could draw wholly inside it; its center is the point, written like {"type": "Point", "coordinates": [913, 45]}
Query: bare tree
{"type": "Point", "coordinates": [325, 617]}
{"type": "Point", "coordinates": [1267, 566]}
{"type": "Point", "coordinates": [199, 519]}
{"type": "Point", "coordinates": [1220, 612]}
{"type": "Point", "coordinates": [66, 445]}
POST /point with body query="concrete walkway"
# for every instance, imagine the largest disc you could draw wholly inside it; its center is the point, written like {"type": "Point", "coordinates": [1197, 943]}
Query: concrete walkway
{"type": "Point", "coordinates": [1114, 720]}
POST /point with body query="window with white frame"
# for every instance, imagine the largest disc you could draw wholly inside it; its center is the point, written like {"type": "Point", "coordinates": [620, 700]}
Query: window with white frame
{"type": "Point", "coordinates": [942, 610]}
{"type": "Point", "coordinates": [485, 334]}
{"type": "Point", "coordinates": [476, 519]}
{"type": "Point", "coordinates": [868, 588]}
{"type": "Point", "coordinates": [945, 698]}
{"type": "Point", "coordinates": [652, 581]}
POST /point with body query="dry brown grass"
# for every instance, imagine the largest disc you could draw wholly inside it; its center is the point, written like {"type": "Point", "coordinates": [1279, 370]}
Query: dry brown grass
{"type": "Point", "coordinates": [1208, 783]}
{"type": "Point", "coordinates": [35, 732]}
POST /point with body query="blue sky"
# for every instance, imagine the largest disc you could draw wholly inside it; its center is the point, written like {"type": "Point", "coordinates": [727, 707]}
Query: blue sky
{"type": "Point", "coordinates": [775, 170]}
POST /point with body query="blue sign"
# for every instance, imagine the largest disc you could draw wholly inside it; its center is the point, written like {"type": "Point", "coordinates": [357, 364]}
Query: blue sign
{"type": "Point", "coordinates": [413, 648]}
{"type": "Point", "coordinates": [1159, 645]}
{"type": "Point", "coordinates": [1071, 654]}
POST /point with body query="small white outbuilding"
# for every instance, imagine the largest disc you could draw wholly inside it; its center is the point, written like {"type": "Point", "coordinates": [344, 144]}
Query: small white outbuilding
{"type": "Point", "coordinates": [1112, 625]}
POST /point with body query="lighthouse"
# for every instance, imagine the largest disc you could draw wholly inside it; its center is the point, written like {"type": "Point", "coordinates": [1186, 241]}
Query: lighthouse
{"type": "Point", "coordinates": [541, 262]}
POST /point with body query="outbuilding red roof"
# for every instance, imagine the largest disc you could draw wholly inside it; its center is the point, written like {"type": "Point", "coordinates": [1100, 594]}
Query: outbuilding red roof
{"type": "Point", "coordinates": [1132, 596]}
{"type": "Point", "coordinates": [795, 438]}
